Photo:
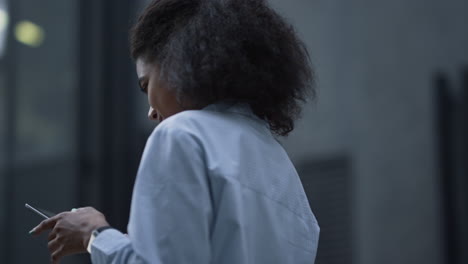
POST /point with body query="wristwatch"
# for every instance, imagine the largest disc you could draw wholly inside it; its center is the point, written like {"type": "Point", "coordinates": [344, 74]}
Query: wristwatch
{"type": "Point", "coordinates": [94, 234]}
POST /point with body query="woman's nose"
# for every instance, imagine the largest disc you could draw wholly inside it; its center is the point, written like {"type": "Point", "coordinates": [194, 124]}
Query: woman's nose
{"type": "Point", "coordinates": [152, 115]}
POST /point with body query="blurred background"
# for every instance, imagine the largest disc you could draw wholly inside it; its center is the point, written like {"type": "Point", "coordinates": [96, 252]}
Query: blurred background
{"type": "Point", "coordinates": [382, 153]}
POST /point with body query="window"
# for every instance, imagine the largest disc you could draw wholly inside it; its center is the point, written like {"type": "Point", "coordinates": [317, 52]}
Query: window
{"type": "Point", "coordinates": [40, 67]}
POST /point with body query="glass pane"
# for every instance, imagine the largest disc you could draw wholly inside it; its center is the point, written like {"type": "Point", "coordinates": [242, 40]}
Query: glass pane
{"type": "Point", "coordinates": [2, 158]}
{"type": "Point", "coordinates": [47, 80]}
{"type": "Point", "coordinates": [46, 55]}
{"type": "Point", "coordinates": [3, 32]}
{"type": "Point", "coordinates": [2, 126]}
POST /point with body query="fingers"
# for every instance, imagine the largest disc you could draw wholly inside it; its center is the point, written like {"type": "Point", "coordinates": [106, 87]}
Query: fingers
{"type": "Point", "coordinates": [54, 245]}
{"type": "Point", "coordinates": [57, 254]}
{"type": "Point", "coordinates": [46, 224]}
{"type": "Point", "coordinates": [52, 234]}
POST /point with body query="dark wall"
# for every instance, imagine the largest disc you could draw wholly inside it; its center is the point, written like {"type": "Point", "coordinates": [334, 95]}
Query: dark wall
{"type": "Point", "coordinates": [375, 61]}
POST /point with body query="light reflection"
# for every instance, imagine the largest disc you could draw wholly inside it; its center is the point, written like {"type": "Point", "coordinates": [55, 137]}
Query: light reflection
{"type": "Point", "coordinates": [29, 34]}
{"type": "Point", "coordinates": [4, 19]}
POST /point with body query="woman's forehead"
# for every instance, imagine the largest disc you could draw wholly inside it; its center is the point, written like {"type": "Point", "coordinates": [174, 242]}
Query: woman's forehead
{"type": "Point", "coordinates": [145, 68]}
{"type": "Point", "coordinates": [142, 68]}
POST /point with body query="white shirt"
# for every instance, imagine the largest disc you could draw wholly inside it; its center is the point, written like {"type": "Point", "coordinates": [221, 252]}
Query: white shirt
{"type": "Point", "coordinates": [214, 186]}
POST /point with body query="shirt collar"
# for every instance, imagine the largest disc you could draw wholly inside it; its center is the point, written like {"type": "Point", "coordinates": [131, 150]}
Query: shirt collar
{"type": "Point", "coordinates": [238, 108]}
{"type": "Point", "coordinates": [233, 107]}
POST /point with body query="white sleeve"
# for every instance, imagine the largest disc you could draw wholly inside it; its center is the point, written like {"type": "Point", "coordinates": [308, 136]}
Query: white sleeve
{"type": "Point", "coordinates": [111, 246]}
{"type": "Point", "coordinates": [171, 208]}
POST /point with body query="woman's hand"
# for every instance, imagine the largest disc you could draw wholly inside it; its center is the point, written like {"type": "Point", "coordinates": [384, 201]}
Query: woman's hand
{"type": "Point", "coordinates": [71, 231]}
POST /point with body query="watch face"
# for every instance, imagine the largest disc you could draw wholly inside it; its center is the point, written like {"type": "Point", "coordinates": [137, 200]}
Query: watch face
{"type": "Point", "coordinates": [91, 240]}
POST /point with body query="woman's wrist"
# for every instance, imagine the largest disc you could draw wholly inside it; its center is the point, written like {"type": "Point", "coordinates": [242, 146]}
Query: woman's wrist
{"type": "Point", "coordinates": [95, 220]}
{"type": "Point", "coordinates": [94, 234]}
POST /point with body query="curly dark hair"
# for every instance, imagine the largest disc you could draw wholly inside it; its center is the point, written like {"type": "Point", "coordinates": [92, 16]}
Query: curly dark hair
{"type": "Point", "coordinates": [235, 50]}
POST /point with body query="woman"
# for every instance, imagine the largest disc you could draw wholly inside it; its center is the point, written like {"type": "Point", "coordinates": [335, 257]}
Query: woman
{"type": "Point", "coordinates": [223, 78]}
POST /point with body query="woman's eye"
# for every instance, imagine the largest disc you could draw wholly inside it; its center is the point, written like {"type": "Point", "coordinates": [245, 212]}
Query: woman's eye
{"type": "Point", "coordinates": [144, 88]}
